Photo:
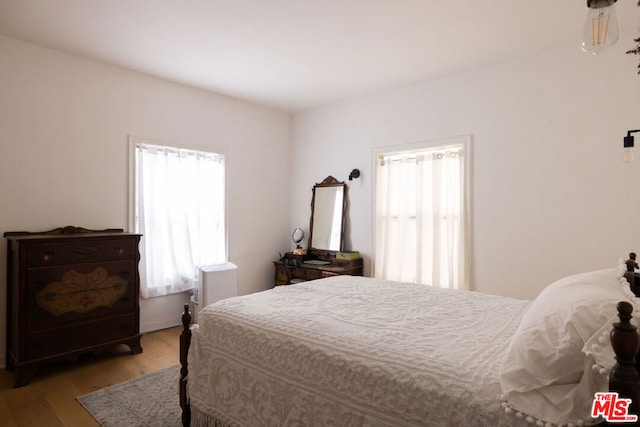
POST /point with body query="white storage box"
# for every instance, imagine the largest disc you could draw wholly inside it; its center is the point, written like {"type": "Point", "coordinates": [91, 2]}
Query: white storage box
{"type": "Point", "coordinates": [215, 282]}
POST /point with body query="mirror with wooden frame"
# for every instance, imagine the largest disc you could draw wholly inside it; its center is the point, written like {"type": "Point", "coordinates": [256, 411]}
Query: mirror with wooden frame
{"type": "Point", "coordinates": [328, 204]}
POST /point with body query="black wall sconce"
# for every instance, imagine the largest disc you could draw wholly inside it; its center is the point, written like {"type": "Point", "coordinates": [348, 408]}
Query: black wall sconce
{"type": "Point", "coordinates": [628, 145]}
{"type": "Point", "coordinates": [354, 174]}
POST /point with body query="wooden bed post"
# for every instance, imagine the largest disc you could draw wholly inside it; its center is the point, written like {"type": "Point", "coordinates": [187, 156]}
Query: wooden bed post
{"type": "Point", "coordinates": [630, 274]}
{"type": "Point", "coordinates": [185, 342]}
{"type": "Point", "coordinates": [625, 341]}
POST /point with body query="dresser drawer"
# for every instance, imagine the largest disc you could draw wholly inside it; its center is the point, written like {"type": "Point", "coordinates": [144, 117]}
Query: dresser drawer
{"type": "Point", "coordinates": [312, 274]}
{"type": "Point", "coordinates": [329, 273]}
{"type": "Point", "coordinates": [80, 250]}
{"type": "Point", "coordinates": [280, 272]}
{"type": "Point", "coordinates": [78, 336]}
{"type": "Point", "coordinates": [62, 294]}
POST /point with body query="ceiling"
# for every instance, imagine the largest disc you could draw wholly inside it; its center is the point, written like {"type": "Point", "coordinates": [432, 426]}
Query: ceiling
{"type": "Point", "coordinates": [298, 54]}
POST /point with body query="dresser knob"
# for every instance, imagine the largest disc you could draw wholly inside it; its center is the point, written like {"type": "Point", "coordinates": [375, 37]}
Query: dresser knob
{"type": "Point", "coordinates": [119, 251]}
{"type": "Point", "coordinates": [47, 257]}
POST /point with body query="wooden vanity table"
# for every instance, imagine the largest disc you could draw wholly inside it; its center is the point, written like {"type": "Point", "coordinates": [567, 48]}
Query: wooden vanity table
{"type": "Point", "coordinates": [297, 268]}
{"type": "Point", "coordinates": [326, 237]}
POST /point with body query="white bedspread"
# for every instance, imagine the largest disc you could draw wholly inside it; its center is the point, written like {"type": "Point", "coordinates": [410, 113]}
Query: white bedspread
{"type": "Point", "coordinates": [353, 351]}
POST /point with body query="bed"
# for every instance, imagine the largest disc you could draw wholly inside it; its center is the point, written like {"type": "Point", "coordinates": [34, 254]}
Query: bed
{"type": "Point", "coordinates": [354, 351]}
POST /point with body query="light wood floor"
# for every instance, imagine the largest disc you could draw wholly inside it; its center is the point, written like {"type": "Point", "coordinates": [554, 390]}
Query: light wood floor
{"type": "Point", "coordinates": [50, 399]}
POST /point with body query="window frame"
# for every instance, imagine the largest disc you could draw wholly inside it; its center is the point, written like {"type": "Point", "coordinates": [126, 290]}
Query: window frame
{"type": "Point", "coordinates": [133, 140]}
{"type": "Point", "coordinates": [431, 144]}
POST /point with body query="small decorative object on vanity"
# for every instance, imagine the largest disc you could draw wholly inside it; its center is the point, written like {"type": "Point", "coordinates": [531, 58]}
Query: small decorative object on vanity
{"type": "Point", "coordinates": [348, 255]}
{"type": "Point", "coordinates": [324, 256]}
{"type": "Point", "coordinates": [297, 236]}
{"type": "Point", "coordinates": [70, 291]}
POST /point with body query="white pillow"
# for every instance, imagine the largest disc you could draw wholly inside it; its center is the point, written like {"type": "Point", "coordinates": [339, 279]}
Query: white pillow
{"type": "Point", "coordinates": [547, 374]}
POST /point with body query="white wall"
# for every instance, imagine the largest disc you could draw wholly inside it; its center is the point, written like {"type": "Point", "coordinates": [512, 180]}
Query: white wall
{"type": "Point", "coordinates": [551, 195]}
{"type": "Point", "coordinates": [64, 122]}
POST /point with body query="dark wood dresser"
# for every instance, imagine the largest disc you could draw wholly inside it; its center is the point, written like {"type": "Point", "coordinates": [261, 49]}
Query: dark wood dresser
{"type": "Point", "coordinates": [298, 268]}
{"type": "Point", "coordinates": [69, 291]}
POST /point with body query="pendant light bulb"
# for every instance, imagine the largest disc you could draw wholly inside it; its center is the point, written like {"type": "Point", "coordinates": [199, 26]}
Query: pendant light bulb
{"type": "Point", "coordinates": [601, 28]}
{"type": "Point", "coordinates": [628, 143]}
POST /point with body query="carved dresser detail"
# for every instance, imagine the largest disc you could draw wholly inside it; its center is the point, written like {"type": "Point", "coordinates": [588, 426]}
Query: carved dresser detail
{"type": "Point", "coordinates": [69, 291]}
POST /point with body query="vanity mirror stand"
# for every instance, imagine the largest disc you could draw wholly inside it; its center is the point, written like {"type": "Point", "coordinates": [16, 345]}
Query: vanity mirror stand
{"type": "Point", "coordinates": [324, 256]}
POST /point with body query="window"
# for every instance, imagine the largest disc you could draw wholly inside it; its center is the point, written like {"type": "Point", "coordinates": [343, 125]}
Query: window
{"type": "Point", "coordinates": [421, 217]}
{"type": "Point", "coordinates": [179, 207]}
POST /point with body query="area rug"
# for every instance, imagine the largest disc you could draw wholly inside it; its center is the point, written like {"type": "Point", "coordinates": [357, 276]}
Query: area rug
{"type": "Point", "coordinates": [151, 400]}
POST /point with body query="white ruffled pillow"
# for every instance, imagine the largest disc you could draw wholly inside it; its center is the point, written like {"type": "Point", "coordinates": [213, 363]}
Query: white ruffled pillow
{"type": "Point", "coordinates": [547, 374]}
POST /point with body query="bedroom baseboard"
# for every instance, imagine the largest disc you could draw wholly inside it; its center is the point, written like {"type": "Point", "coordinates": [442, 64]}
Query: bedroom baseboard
{"type": "Point", "coordinates": [158, 325]}
{"type": "Point", "coordinates": [162, 312]}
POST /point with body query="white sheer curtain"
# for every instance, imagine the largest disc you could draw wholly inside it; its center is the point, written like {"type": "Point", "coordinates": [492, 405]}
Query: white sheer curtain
{"type": "Point", "coordinates": [420, 217]}
{"type": "Point", "coordinates": [180, 210]}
